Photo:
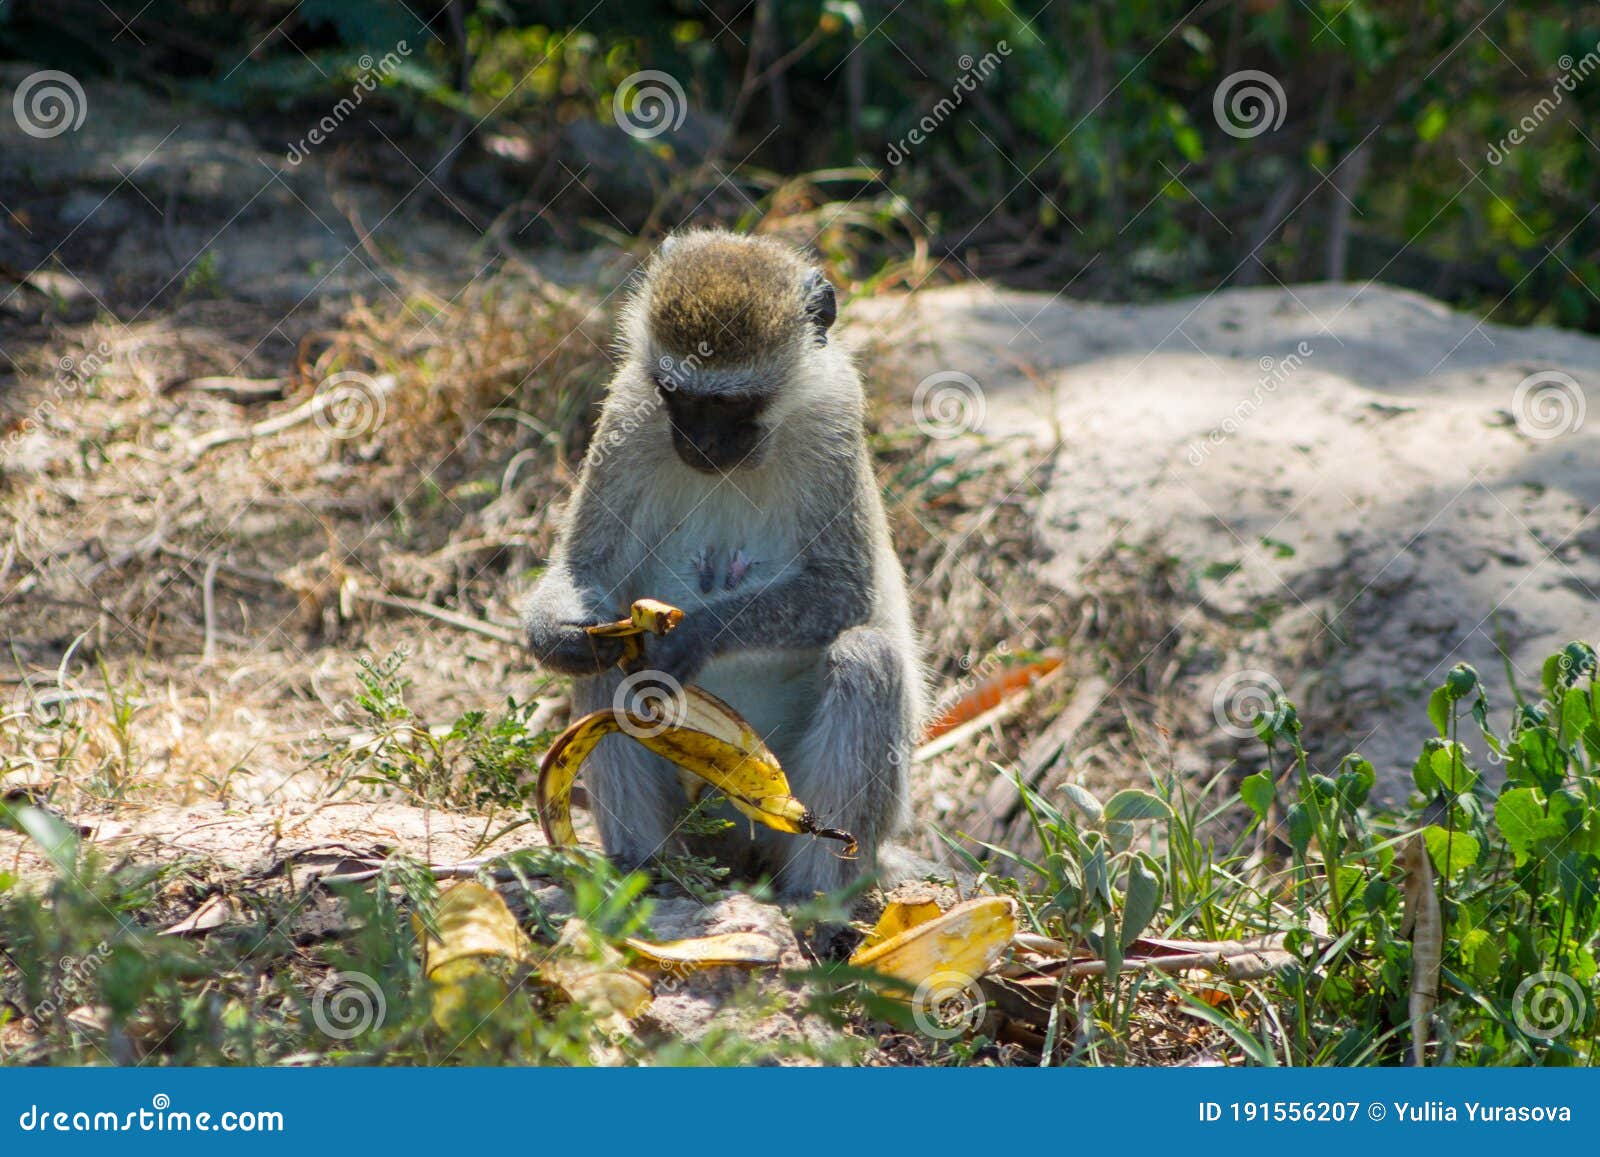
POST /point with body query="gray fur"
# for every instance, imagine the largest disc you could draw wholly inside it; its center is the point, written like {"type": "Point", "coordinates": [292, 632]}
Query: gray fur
{"type": "Point", "coordinates": [806, 629]}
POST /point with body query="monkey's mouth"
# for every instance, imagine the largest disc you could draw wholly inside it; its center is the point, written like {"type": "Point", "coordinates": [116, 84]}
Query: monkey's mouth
{"type": "Point", "coordinates": [720, 451]}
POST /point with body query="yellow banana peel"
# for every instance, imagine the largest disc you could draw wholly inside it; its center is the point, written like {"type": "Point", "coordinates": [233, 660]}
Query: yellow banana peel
{"type": "Point", "coordinates": [471, 953]}
{"type": "Point", "coordinates": [594, 975]}
{"type": "Point", "coordinates": [706, 738]}
{"type": "Point", "coordinates": [900, 916]}
{"type": "Point", "coordinates": [965, 942]}
{"type": "Point", "coordinates": [729, 948]}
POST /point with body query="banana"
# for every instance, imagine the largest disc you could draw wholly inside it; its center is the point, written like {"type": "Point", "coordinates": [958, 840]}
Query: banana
{"type": "Point", "coordinates": [708, 740]}
{"type": "Point", "coordinates": [647, 616]}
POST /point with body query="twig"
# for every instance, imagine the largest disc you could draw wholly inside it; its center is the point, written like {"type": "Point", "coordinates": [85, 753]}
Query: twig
{"type": "Point", "coordinates": [502, 632]}
{"type": "Point", "coordinates": [208, 600]}
{"type": "Point", "coordinates": [266, 428]}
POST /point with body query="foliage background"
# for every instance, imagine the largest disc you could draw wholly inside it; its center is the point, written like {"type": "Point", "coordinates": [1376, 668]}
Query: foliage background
{"type": "Point", "coordinates": [1091, 157]}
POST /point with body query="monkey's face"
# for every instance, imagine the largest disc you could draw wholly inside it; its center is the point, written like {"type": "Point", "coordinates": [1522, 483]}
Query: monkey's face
{"type": "Point", "coordinates": [715, 434]}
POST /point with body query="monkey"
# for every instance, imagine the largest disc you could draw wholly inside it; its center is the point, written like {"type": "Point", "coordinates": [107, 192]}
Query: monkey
{"type": "Point", "coordinates": [729, 475]}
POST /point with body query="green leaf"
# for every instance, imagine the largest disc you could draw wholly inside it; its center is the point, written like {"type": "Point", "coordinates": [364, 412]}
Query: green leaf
{"type": "Point", "coordinates": [1084, 800]}
{"type": "Point", "coordinates": [1574, 713]}
{"type": "Point", "coordinates": [1356, 781]}
{"type": "Point", "coordinates": [1257, 792]}
{"type": "Point", "coordinates": [1133, 804]}
{"type": "Point", "coordinates": [1434, 120]}
{"type": "Point", "coordinates": [1439, 710]}
{"type": "Point", "coordinates": [1520, 815]}
{"type": "Point", "coordinates": [1537, 759]}
{"type": "Point", "coordinates": [58, 841]}
{"type": "Point", "coordinates": [1142, 900]}
{"type": "Point", "coordinates": [1301, 825]}
{"type": "Point", "coordinates": [1451, 852]}
{"type": "Point", "coordinates": [1422, 770]}
{"type": "Point", "coordinates": [1482, 955]}
{"type": "Point", "coordinates": [1450, 769]}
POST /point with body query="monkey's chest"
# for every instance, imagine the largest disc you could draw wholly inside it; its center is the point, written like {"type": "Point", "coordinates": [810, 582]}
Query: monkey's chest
{"type": "Point", "coordinates": [703, 555]}
{"type": "Point", "coordinates": [715, 552]}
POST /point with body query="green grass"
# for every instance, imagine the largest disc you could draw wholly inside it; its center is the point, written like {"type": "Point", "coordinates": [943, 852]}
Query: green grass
{"type": "Point", "coordinates": [1517, 870]}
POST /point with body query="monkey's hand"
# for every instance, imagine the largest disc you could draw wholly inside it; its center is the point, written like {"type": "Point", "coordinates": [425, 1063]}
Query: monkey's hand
{"type": "Point", "coordinates": [681, 654]}
{"type": "Point", "coordinates": [568, 649]}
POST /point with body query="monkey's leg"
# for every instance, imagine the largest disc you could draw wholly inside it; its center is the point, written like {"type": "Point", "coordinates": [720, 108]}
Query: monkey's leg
{"type": "Point", "coordinates": [634, 795]}
{"type": "Point", "coordinates": [850, 767]}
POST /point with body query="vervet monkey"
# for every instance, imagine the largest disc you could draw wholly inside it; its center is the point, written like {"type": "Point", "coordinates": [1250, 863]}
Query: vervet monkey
{"type": "Point", "coordinates": [729, 476]}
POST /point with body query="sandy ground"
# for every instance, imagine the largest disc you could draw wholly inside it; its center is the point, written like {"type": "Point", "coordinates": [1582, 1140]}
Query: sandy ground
{"type": "Point", "coordinates": [1363, 485]}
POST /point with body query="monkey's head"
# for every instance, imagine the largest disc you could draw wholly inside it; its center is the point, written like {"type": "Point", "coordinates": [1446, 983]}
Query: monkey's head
{"type": "Point", "coordinates": [728, 327]}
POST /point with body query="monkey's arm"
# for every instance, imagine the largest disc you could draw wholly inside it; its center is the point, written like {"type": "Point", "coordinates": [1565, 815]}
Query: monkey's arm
{"type": "Point", "coordinates": [573, 593]}
{"type": "Point", "coordinates": [827, 591]}
{"type": "Point", "coordinates": [555, 617]}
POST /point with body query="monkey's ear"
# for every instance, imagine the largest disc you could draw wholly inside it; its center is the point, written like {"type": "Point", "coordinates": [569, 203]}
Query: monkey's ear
{"type": "Point", "coordinates": [822, 307]}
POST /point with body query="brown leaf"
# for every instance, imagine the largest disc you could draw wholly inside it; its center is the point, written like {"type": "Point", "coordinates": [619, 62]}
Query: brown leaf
{"type": "Point", "coordinates": [1424, 921]}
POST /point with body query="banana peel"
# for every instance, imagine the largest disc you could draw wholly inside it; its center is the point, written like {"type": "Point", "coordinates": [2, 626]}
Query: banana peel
{"type": "Point", "coordinates": [470, 956]}
{"type": "Point", "coordinates": [707, 739]}
{"type": "Point", "coordinates": [900, 916]}
{"type": "Point", "coordinates": [595, 976]}
{"type": "Point", "coordinates": [965, 942]}
{"type": "Point", "coordinates": [744, 949]}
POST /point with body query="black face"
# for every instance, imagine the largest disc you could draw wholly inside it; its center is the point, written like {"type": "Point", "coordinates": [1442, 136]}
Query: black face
{"type": "Point", "coordinates": [715, 434]}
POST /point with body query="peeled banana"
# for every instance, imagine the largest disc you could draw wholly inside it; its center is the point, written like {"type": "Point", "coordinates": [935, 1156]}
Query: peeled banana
{"type": "Point", "coordinates": [646, 616]}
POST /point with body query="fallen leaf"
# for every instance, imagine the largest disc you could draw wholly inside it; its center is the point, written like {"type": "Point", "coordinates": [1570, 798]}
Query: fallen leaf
{"type": "Point", "coordinates": [214, 913]}
{"type": "Point", "coordinates": [988, 695]}
{"type": "Point", "coordinates": [1424, 922]}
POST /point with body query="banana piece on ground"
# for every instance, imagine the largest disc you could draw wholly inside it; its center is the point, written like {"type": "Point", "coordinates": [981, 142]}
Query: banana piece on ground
{"type": "Point", "coordinates": [964, 942]}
